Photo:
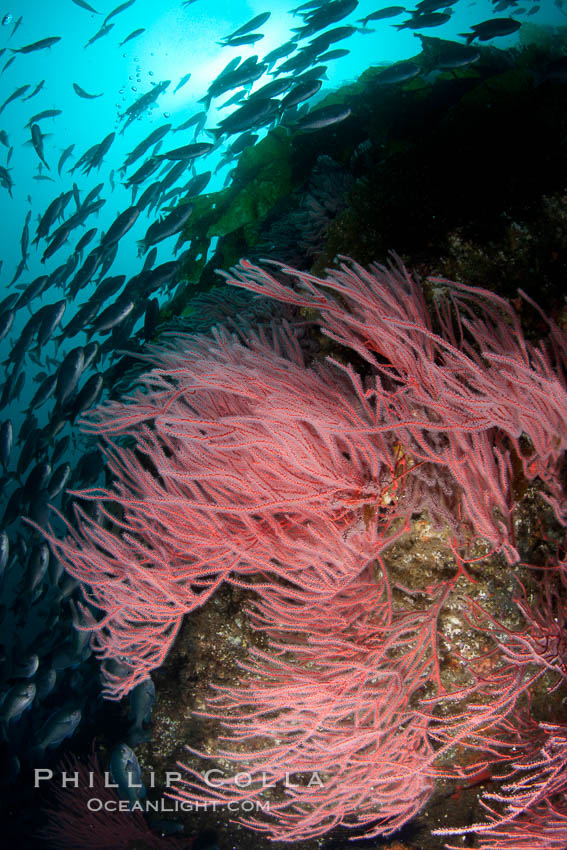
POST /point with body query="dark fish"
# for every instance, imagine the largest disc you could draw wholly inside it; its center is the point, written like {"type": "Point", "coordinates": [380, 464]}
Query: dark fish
{"type": "Point", "coordinates": [151, 318]}
{"type": "Point", "coordinates": [18, 386]}
{"type": "Point", "coordinates": [311, 4]}
{"type": "Point", "coordinates": [75, 221]}
{"type": "Point", "coordinates": [37, 45]}
{"type": "Point", "coordinates": [69, 373]}
{"type": "Point", "coordinates": [58, 480]}
{"type": "Point", "coordinates": [8, 302]}
{"type": "Point", "coordinates": [83, 5]}
{"type": "Point", "coordinates": [25, 237]}
{"type": "Point", "coordinates": [271, 89]}
{"type": "Point", "coordinates": [419, 22]}
{"type": "Point", "coordinates": [93, 158]}
{"type": "Point", "coordinates": [112, 316]}
{"type": "Point", "coordinates": [47, 113]}
{"type": "Point", "coordinates": [83, 276]}
{"type": "Point", "coordinates": [4, 551]}
{"type": "Point", "coordinates": [248, 72]}
{"type": "Point", "coordinates": [181, 82]}
{"type": "Point", "coordinates": [45, 682]}
{"type": "Point", "coordinates": [279, 53]}
{"type": "Point", "coordinates": [14, 96]}
{"type": "Point", "coordinates": [198, 120]}
{"type": "Point", "coordinates": [84, 240]}
{"type": "Point", "coordinates": [126, 773]}
{"type": "Point", "coordinates": [64, 658]}
{"type": "Point", "coordinates": [323, 42]}
{"type": "Point", "coordinates": [93, 194]}
{"type": "Point", "coordinates": [23, 264]}
{"type": "Point", "coordinates": [154, 137]}
{"type": "Point", "coordinates": [296, 64]}
{"type": "Point", "coordinates": [6, 180]}
{"type": "Point", "coordinates": [88, 468]}
{"type": "Point", "coordinates": [38, 563]}
{"type": "Point", "coordinates": [150, 259]}
{"type": "Point", "coordinates": [382, 14]}
{"type": "Point", "coordinates": [162, 275]}
{"type": "Point", "coordinates": [43, 392]}
{"type": "Point", "coordinates": [60, 447]}
{"type": "Point", "coordinates": [86, 397]}
{"type": "Point", "coordinates": [48, 218]}
{"type": "Point", "coordinates": [170, 225]}
{"type": "Point", "coordinates": [299, 93]}
{"type": "Point", "coordinates": [91, 352]}
{"type": "Point", "coordinates": [107, 255]}
{"type": "Point", "coordinates": [145, 171]}
{"type": "Point", "coordinates": [253, 114]}
{"type": "Point", "coordinates": [187, 151]}
{"type": "Point", "coordinates": [36, 480]}
{"type": "Point", "coordinates": [199, 182]}
{"type": "Point", "coordinates": [458, 56]}
{"type": "Point", "coordinates": [8, 63]}
{"type": "Point", "coordinates": [150, 196]}
{"type": "Point", "coordinates": [37, 142]}
{"type": "Point", "coordinates": [60, 725]}
{"type": "Point", "coordinates": [27, 667]}
{"type": "Point", "coordinates": [64, 157]}
{"type": "Point", "coordinates": [144, 102]}
{"type": "Point", "coordinates": [327, 14]}
{"type": "Point", "coordinates": [37, 89]}
{"type": "Point", "coordinates": [14, 507]}
{"type": "Point", "coordinates": [82, 317]}
{"type": "Point", "coordinates": [432, 6]}
{"type": "Point", "coordinates": [17, 700]}
{"type": "Point", "coordinates": [7, 319]}
{"type": "Point", "coordinates": [6, 438]}
{"type": "Point", "coordinates": [51, 316]}
{"type": "Point", "coordinates": [32, 290]}
{"type": "Point", "coordinates": [494, 28]}
{"type": "Point", "coordinates": [133, 34]}
{"type": "Point", "coordinates": [333, 54]}
{"type": "Point", "coordinates": [16, 26]}
{"type": "Point", "coordinates": [241, 40]}
{"type": "Point", "coordinates": [121, 8]}
{"type": "Point", "coordinates": [257, 21]}
{"type": "Point", "coordinates": [120, 226]}
{"type": "Point", "coordinates": [325, 116]}
{"type": "Point", "coordinates": [142, 699]}
{"type": "Point", "coordinates": [76, 195]}
{"type": "Point", "coordinates": [400, 72]}
{"type": "Point", "coordinates": [555, 70]}
{"type": "Point", "coordinates": [104, 30]}
{"type": "Point", "coordinates": [82, 93]}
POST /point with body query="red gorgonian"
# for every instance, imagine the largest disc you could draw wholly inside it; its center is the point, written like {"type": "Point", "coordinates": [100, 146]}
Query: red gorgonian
{"type": "Point", "coordinates": [245, 464]}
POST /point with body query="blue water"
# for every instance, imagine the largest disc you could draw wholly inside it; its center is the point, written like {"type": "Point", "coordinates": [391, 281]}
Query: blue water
{"type": "Point", "coordinates": [177, 40]}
